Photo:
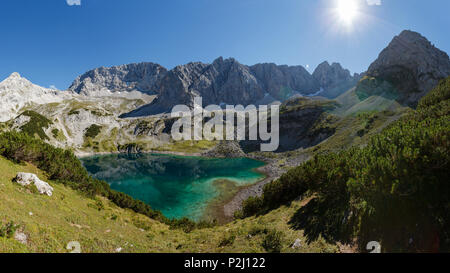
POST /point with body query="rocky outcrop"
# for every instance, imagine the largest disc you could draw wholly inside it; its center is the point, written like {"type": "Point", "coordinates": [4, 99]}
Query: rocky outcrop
{"type": "Point", "coordinates": [21, 237]}
{"type": "Point", "coordinates": [225, 149]}
{"type": "Point", "coordinates": [303, 123]}
{"type": "Point", "coordinates": [26, 179]}
{"type": "Point", "coordinates": [297, 244]}
{"type": "Point", "coordinates": [411, 64]}
{"type": "Point", "coordinates": [143, 77]}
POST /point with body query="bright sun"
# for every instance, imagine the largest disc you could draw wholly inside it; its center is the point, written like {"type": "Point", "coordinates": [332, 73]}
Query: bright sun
{"type": "Point", "coordinates": [347, 11]}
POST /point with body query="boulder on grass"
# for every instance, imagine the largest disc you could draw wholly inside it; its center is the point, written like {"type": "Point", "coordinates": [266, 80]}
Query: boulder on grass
{"type": "Point", "coordinates": [26, 179]}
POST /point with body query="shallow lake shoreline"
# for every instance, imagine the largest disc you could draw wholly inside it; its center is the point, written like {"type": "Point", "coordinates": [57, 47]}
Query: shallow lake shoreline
{"type": "Point", "coordinates": [221, 209]}
{"type": "Point", "coordinates": [271, 173]}
{"type": "Point", "coordinates": [217, 207]}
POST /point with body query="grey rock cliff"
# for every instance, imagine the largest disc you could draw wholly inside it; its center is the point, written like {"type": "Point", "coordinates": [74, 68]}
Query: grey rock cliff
{"type": "Point", "coordinates": [278, 80]}
{"type": "Point", "coordinates": [333, 79]}
{"type": "Point", "coordinates": [144, 77]}
{"type": "Point", "coordinates": [330, 76]}
{"type": "Point", "coordinates": [411, 64]}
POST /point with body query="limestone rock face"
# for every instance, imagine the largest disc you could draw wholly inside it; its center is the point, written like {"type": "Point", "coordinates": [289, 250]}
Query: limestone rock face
{"type": "Point", "coordinates": [411, 64]}
{"type": "Point", "coordinates": [26, 179]}
{"type": "Point", "coordinates": [144, 77]}
{"type": "Point", "coordinates": [280, 80]}
{"type": "Point", "coordinates": [334, 80]}
{"type": "Point", "coordinates": [228, 81]}
{"type": "Point", "coordinates": [175, 89]}
{"type": "Point", "coordinates": [17, 92]}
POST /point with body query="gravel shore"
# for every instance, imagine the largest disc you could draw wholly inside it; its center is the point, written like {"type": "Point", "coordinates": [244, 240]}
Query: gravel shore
{"type": "Point", "coordinates": [271, 171]}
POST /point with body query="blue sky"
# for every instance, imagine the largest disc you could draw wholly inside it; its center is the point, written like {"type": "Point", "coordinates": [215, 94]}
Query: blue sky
{"type": "Point", "coordinates": [51, 42]}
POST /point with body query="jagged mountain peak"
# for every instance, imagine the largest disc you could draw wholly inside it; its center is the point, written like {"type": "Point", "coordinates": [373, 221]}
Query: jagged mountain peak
{"type": "Point", "coordinates": [411, 36]}
{"type": "Point", "coordinates": [332, 76]}
{"type": "Point", "coordinates": [225, 60]}
{"type": "Point", "coordinates": [17, 92]}
{"type": "Point", "coordinates": [410, 49]}
{"type": "Point", "coordinates": [15, 75]}
{"type": "Point", "coordinates": [327, 65]}
{"type": "Point", "coordinates": [16, 82]}
{"type": "Point", "coordinates": [324, 64]}
{"type": "Point", "coordinates": [411, 64]}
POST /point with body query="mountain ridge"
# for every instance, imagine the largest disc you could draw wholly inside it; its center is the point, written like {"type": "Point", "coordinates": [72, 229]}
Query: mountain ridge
{"type": "Point", "coordinates": [226, 81]}
{"type": "Point", "coordinates": [222, 81]}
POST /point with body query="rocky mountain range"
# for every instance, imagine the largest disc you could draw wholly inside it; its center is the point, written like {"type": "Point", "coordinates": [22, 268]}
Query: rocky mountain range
{"type": "Point", "coordinates": [224, 81]}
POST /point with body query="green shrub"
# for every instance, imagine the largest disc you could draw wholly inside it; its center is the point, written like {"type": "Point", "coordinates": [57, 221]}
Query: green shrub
{"type": "Point", "coordinates": [35, 125]}
{"type": "Point", "coordinates": [8, 230]}
{"type": "Point", "coordinates": [98, 205]}
{"type": "Point", "coordinates": [185, 224]}
{"type": "Point", "coordinates": [438, 94]}
{"type": "Point", "coordinates": [251, 206]}
{"type": "Point", "coordinates": [141, 224]}
{"type": "Point", "coordinates": [206, 224]}
{"type": "Point", "coordinates": [55, 133]}
{"type": "Point", "coordinates": [272, 242]}
{"type": "Point", "coordinates": [74, 112]}
{"type": "Point", "coordinates": [228, 240]}
{"type": "Point", "coordinates": [93, 131]}
{"type": "Point", "coordinates": [257, 230]}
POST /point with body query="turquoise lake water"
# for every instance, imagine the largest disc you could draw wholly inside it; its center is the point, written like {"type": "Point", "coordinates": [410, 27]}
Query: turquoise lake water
{"type": "Point", "coordinates": [178, 186]}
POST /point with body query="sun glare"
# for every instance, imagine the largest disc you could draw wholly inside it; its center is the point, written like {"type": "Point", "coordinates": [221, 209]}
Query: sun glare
{"type": "Point", "coordinates": [347, 11]}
